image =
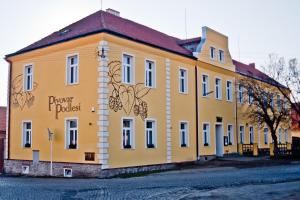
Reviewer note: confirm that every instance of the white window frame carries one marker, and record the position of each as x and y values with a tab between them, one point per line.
231	135
68	69
185	80
212	57
251	135
229	90
279	103
280	135
206	85
240	93
132	69
154	133
24	133
208	134
26	76
68	169
186	134
272	103
266	135
286	135
242	134
221	55
153	70
132	129
219	88
67	129
250	96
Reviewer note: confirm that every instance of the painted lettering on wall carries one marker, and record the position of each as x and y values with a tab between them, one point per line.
62	105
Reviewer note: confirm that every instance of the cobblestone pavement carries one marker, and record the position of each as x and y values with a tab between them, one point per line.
273	182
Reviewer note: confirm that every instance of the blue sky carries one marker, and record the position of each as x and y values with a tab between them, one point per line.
255	28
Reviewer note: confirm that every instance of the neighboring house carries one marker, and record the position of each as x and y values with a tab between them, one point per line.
2	135
119	95
295	124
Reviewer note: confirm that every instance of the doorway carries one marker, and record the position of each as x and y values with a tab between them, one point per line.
219	140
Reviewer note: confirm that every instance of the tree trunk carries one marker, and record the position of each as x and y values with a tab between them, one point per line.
276	149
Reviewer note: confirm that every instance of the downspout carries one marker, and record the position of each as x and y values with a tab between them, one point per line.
236	120
197	128
8	106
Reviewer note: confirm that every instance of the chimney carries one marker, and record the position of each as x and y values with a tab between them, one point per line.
252	65
113	12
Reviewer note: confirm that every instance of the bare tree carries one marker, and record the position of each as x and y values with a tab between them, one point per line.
262	108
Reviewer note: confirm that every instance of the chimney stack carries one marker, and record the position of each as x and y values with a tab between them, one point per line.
252	65
113	12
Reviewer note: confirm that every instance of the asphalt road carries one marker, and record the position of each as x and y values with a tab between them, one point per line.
272	182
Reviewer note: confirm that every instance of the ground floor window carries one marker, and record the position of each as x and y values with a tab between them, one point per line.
266	130
150	134
27	134
206	134
183	134
242	134
286	135
230	134
71	133
251	134
127	133
279	135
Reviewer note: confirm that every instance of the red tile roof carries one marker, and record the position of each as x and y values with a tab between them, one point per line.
295	119
251	71
102	21
2	118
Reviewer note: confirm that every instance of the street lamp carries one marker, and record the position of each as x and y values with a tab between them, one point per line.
50	137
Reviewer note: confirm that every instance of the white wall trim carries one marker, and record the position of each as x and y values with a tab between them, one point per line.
103	110
168	111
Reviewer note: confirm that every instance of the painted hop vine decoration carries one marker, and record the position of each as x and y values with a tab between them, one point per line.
126	97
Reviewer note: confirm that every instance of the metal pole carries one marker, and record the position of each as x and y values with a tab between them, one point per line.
51	142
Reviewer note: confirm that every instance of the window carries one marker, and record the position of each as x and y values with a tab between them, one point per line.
72	70
150	134
221	56
280	135
229	90
183	88
127	69
278	103
127	133
242	134
230	134
272	100
241	91
206	134
266	130
183	134
27	134
150	74
28	78
218	89
251	134
204	85
250	96
68	172
265	100
72	133
89	156
286	135
212	52
285	103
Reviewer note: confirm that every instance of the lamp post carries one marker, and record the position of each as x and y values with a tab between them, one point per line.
50	137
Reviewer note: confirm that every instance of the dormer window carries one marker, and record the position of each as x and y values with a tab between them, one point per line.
221	56
212	53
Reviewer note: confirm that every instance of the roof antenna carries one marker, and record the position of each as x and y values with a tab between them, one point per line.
101	3
185	23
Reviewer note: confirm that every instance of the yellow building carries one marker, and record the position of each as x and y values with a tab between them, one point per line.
118	96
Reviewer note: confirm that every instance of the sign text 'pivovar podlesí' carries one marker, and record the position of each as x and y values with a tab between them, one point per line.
62	104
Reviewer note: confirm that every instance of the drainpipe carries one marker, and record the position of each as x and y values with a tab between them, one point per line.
236	120
197	128
8	107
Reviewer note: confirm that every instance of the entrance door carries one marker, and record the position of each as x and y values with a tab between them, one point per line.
219	140
1	154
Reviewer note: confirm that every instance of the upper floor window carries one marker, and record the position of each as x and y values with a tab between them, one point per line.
72	70
266	130
183	82
229	90
27	134
278	103
286	135
272	100
218	89
241	92
250	96
242	134
71	133
204	85
127	133
150	74
206	134
150	134
127	69
221	56
230	134
28	78
212	52
183	134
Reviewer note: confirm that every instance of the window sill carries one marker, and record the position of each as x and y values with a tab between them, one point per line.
72	84
184	146
206	144
185	93
219	99
128	83
230	101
